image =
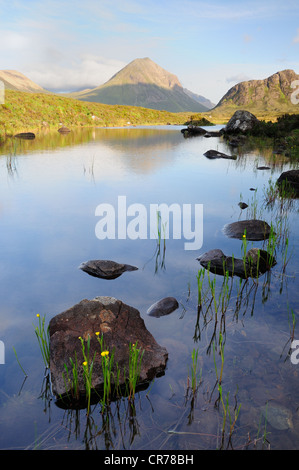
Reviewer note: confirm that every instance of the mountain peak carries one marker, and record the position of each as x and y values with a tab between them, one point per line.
14	80
144	83
144	71
269	94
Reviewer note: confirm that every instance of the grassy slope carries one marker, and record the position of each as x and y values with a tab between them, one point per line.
28	111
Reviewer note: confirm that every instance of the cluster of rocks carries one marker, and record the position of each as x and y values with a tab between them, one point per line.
192	131
31	135
121	324
118	323
256	261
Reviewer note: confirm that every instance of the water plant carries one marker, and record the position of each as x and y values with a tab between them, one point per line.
42	334
87	366
19	362
200	279
244	250
195	374
71	382
227	414
107	361
135	359
160	253
221	351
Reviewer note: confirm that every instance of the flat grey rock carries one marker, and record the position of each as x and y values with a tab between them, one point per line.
105	269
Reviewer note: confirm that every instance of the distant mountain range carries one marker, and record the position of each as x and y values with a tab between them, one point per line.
273	94
144	83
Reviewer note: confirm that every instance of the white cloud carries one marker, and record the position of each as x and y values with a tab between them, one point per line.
238	78
15	41
88	72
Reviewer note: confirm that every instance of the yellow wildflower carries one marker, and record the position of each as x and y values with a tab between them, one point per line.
85	363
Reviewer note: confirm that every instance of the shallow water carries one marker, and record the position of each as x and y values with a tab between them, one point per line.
49	191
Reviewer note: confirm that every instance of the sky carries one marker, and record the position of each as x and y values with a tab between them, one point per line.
209	45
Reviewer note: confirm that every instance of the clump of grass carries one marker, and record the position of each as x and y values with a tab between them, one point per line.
160	253
195	373
244	251
107	361
19	362
221	349
135	359
72	382
42	334
87	365
200	279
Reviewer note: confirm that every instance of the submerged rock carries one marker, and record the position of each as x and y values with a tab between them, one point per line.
254	229
193	131
255	263
213	134
278	416
163	307
288	183
105	269
242	205
64	130
212	154
120	325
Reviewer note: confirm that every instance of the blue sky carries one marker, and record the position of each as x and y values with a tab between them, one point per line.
210	45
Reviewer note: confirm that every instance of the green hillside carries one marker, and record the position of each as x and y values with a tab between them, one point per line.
32	111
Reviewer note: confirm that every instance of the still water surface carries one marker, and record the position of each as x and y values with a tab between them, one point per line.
49	190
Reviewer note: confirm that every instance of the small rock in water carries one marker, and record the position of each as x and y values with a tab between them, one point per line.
256	262
105	269
212	154
278	416
64	130
242	205
163	307
254	229
26	135
263	168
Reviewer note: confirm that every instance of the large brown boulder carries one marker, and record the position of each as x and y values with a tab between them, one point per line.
120	325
